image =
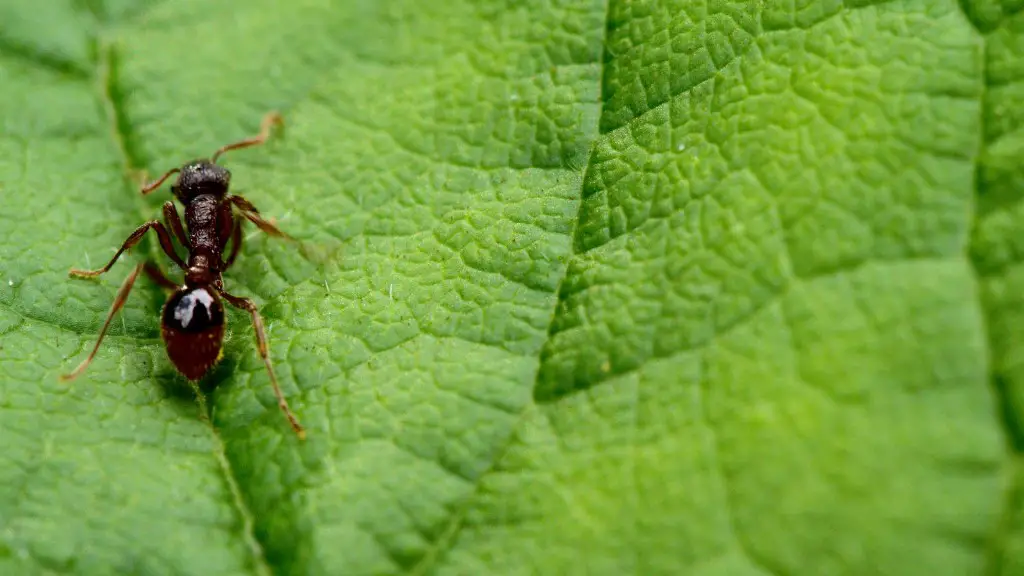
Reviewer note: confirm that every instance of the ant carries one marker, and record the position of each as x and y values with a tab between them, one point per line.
192	324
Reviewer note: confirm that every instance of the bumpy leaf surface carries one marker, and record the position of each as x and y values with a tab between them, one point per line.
595	287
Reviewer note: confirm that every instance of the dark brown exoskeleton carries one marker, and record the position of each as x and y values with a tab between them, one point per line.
192	324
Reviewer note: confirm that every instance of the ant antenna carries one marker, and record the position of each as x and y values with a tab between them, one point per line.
147	188
268	122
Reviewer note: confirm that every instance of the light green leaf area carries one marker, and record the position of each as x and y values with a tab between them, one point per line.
592	287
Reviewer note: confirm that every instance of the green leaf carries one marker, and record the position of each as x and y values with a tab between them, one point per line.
609	287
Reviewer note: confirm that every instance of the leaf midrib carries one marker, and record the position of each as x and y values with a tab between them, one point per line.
1008	421
109	96
457	521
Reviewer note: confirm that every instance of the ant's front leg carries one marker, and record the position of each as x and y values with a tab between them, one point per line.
264	350
174	223
253	215
165	243
250	213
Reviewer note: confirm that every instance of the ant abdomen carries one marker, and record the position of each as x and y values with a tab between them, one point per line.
193	329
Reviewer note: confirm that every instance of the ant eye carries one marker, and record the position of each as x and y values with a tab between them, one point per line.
194	310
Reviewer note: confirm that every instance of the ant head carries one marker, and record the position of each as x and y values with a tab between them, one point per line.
201	177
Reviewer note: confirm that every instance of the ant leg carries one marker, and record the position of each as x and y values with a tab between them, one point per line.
236	243
261	344
243	204
253	215
249	212
157	275
268	121
165	243
119	300
147	188
174	223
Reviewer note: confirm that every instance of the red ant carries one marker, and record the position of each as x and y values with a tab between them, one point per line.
192	324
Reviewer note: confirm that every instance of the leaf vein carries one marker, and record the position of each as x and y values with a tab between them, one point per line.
451	534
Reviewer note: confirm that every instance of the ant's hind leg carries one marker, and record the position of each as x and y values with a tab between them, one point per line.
119	300
261	345
165	243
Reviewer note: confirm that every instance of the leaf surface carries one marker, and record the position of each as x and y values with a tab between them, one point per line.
603	287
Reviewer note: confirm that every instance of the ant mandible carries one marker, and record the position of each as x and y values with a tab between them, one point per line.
192	324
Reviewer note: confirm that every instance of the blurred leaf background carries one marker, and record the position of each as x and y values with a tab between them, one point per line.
614	287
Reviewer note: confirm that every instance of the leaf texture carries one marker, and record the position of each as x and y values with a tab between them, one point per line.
606	287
